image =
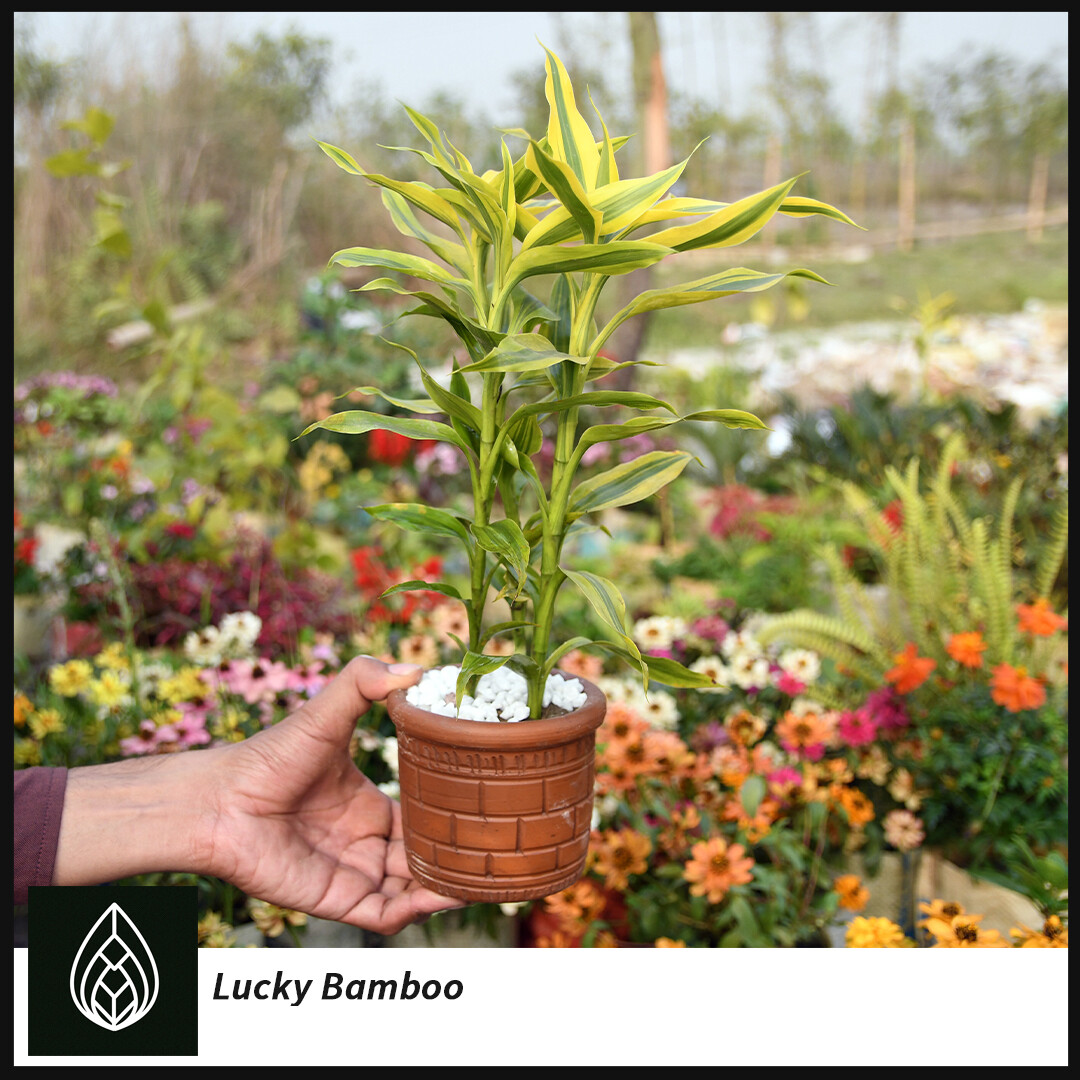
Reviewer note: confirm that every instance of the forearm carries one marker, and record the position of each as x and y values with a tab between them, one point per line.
137	816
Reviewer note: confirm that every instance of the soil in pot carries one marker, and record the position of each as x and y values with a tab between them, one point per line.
497	812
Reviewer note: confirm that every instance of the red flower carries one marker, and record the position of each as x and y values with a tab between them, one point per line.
25	549
180	529
894	516
389	448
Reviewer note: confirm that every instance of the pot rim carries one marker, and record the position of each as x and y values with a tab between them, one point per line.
517	734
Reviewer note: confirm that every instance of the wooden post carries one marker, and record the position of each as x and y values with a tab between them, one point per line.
905	224
1040	181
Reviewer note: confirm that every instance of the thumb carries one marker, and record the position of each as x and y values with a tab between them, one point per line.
334	710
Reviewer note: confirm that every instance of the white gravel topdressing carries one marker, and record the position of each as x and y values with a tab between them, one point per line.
500	695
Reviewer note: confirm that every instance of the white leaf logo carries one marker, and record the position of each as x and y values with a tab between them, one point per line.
114	979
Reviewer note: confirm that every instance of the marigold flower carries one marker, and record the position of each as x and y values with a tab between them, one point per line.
1038	619
911	670
874	933
853	894
1016	689
964	932
715	867
620	854
967	649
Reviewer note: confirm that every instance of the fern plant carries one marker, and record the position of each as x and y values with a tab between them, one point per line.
945	572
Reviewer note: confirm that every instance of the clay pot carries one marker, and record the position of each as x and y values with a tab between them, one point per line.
496	812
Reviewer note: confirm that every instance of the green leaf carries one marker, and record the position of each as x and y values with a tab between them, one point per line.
359	423
416	517
408	224
556	655
96	124
629	482
523	352
606	600
505	540
568	189
424	586
340	158
413	265
420	405
661	669
751	793
616	257
568	135
476	664
797	206
732	225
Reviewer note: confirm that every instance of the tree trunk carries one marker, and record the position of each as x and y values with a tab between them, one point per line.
650	96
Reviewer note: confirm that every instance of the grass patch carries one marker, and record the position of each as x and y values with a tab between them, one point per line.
991	274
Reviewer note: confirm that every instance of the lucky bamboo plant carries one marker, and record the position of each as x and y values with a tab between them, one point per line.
559	213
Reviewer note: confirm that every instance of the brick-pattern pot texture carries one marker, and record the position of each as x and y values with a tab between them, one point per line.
496	812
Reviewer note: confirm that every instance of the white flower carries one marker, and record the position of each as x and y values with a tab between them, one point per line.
239	631
801	664
204	647
358	320
391	789
388	750
714	668
804	706
660	710
749	671
741	642
658	631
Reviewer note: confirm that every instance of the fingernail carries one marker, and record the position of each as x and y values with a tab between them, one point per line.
404	669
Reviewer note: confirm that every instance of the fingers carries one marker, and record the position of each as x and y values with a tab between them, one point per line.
333	712
390	914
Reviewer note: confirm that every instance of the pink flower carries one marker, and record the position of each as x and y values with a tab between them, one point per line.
786	683
886	709
857	728
903	830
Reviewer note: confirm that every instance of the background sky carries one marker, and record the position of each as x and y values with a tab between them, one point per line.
719	57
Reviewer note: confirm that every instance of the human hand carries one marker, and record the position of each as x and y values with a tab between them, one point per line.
297	824
285	816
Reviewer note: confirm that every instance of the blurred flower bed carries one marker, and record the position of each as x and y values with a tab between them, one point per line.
201	571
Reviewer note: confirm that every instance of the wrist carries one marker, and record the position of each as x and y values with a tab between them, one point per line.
137	816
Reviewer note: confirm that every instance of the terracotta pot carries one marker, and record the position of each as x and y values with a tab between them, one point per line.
496	812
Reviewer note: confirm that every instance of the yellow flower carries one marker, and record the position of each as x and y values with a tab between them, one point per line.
46	722
874	933
272	920
114	657
1052	936
27	752
110	690
940	909
668	943
214	933
71	678
184	685
963	932
226	725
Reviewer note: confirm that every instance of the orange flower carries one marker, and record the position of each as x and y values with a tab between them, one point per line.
858	808
621	724
715	867
967	649
1016	689
940	909
576	906
668	943
874	933
808	734
1052	936
620	854
853	894
963	932
576	662
1038	619
911	670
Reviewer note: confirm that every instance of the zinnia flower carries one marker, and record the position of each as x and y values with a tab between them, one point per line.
806	735
963	932
903	830
1016	689
856	728
874	933
1052	936
967	649
911	670
940	909
715	867
853	894
1038	619
668	943
620	854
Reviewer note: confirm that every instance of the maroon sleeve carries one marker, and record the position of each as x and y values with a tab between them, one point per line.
39	802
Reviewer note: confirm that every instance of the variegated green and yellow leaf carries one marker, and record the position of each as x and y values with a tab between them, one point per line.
729	226
629	482
408	224
616	257
416	517
505	540
797	206
340	158
606	600
565	185
412	265
568	135
523	352
357	422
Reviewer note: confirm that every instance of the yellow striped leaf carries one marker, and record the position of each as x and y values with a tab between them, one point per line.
568	135
567	188
629	482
